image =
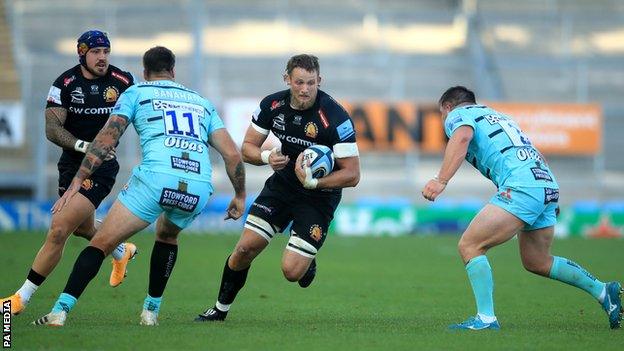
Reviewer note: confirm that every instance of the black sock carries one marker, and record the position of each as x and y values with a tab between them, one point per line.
231	282
35	277
161	265
85	269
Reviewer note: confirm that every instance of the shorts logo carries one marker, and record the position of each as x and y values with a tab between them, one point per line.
505	196
551	195
311	130
541	174
87	184
111	94
266	209
316	232
178	199
278	122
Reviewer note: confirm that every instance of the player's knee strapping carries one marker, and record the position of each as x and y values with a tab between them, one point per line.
300	246
261	227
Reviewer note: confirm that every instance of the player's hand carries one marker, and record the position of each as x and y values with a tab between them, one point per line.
236	208
277	160
304	173
111	155
432	189
67	196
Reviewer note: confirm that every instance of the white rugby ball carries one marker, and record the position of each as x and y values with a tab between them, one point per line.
321	160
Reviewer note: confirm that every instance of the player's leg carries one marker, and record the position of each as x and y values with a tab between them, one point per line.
119	225
492	226
162	262
267	216
535	247
79	210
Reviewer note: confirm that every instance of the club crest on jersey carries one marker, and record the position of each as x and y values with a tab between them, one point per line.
311	130
77	96
316	232
111	94
279	123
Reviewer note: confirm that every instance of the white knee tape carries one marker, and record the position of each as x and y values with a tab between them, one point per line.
300	246
260	227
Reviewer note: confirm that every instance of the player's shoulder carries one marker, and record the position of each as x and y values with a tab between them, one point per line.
68	77
331	109
124	77
274	101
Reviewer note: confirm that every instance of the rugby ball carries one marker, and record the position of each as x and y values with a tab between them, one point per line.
321	160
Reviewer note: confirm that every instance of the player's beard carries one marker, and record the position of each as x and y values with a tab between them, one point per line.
96	72
302	105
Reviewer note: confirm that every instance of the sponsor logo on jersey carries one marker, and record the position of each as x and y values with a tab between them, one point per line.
277	104
541	174
493	119
345	130
184	144
77	96
324	120
91	110
316	232
87	184
67	80
551	195
311	130
293	140
121	77
54	95
179	199
279	123
111	94
185	164
529	153
297	120
95	89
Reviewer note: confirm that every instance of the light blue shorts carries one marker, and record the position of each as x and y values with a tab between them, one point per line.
148	194
537	207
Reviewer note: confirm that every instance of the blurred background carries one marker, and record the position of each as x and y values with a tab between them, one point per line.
556	66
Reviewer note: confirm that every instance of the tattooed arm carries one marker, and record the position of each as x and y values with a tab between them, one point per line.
101	146
55	132
223	143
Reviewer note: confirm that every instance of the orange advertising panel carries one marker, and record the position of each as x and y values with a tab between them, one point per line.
562	129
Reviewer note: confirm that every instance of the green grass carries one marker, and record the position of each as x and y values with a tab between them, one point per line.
370	294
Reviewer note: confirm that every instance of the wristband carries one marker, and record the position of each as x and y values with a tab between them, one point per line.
81	146
264	155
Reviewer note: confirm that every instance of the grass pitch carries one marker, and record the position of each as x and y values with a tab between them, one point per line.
369	294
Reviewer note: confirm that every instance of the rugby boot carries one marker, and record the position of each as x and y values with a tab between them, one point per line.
210	315
119	271
612	304
53	319
309	275
149	317
475	323
17	306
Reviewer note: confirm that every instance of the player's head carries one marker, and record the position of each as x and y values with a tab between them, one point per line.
158	62
453	97
93	50
302	75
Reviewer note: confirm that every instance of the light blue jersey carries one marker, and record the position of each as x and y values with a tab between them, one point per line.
499	149
173	124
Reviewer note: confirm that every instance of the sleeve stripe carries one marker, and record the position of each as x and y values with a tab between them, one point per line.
260	129
343	150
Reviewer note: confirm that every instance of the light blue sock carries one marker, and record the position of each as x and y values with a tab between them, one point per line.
152	303
480	275
571	273
65	303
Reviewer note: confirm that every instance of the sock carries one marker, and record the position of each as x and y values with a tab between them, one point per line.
119	251
231	282
152	304
33	281
480	276
161	265
65	303
571	273
86	268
